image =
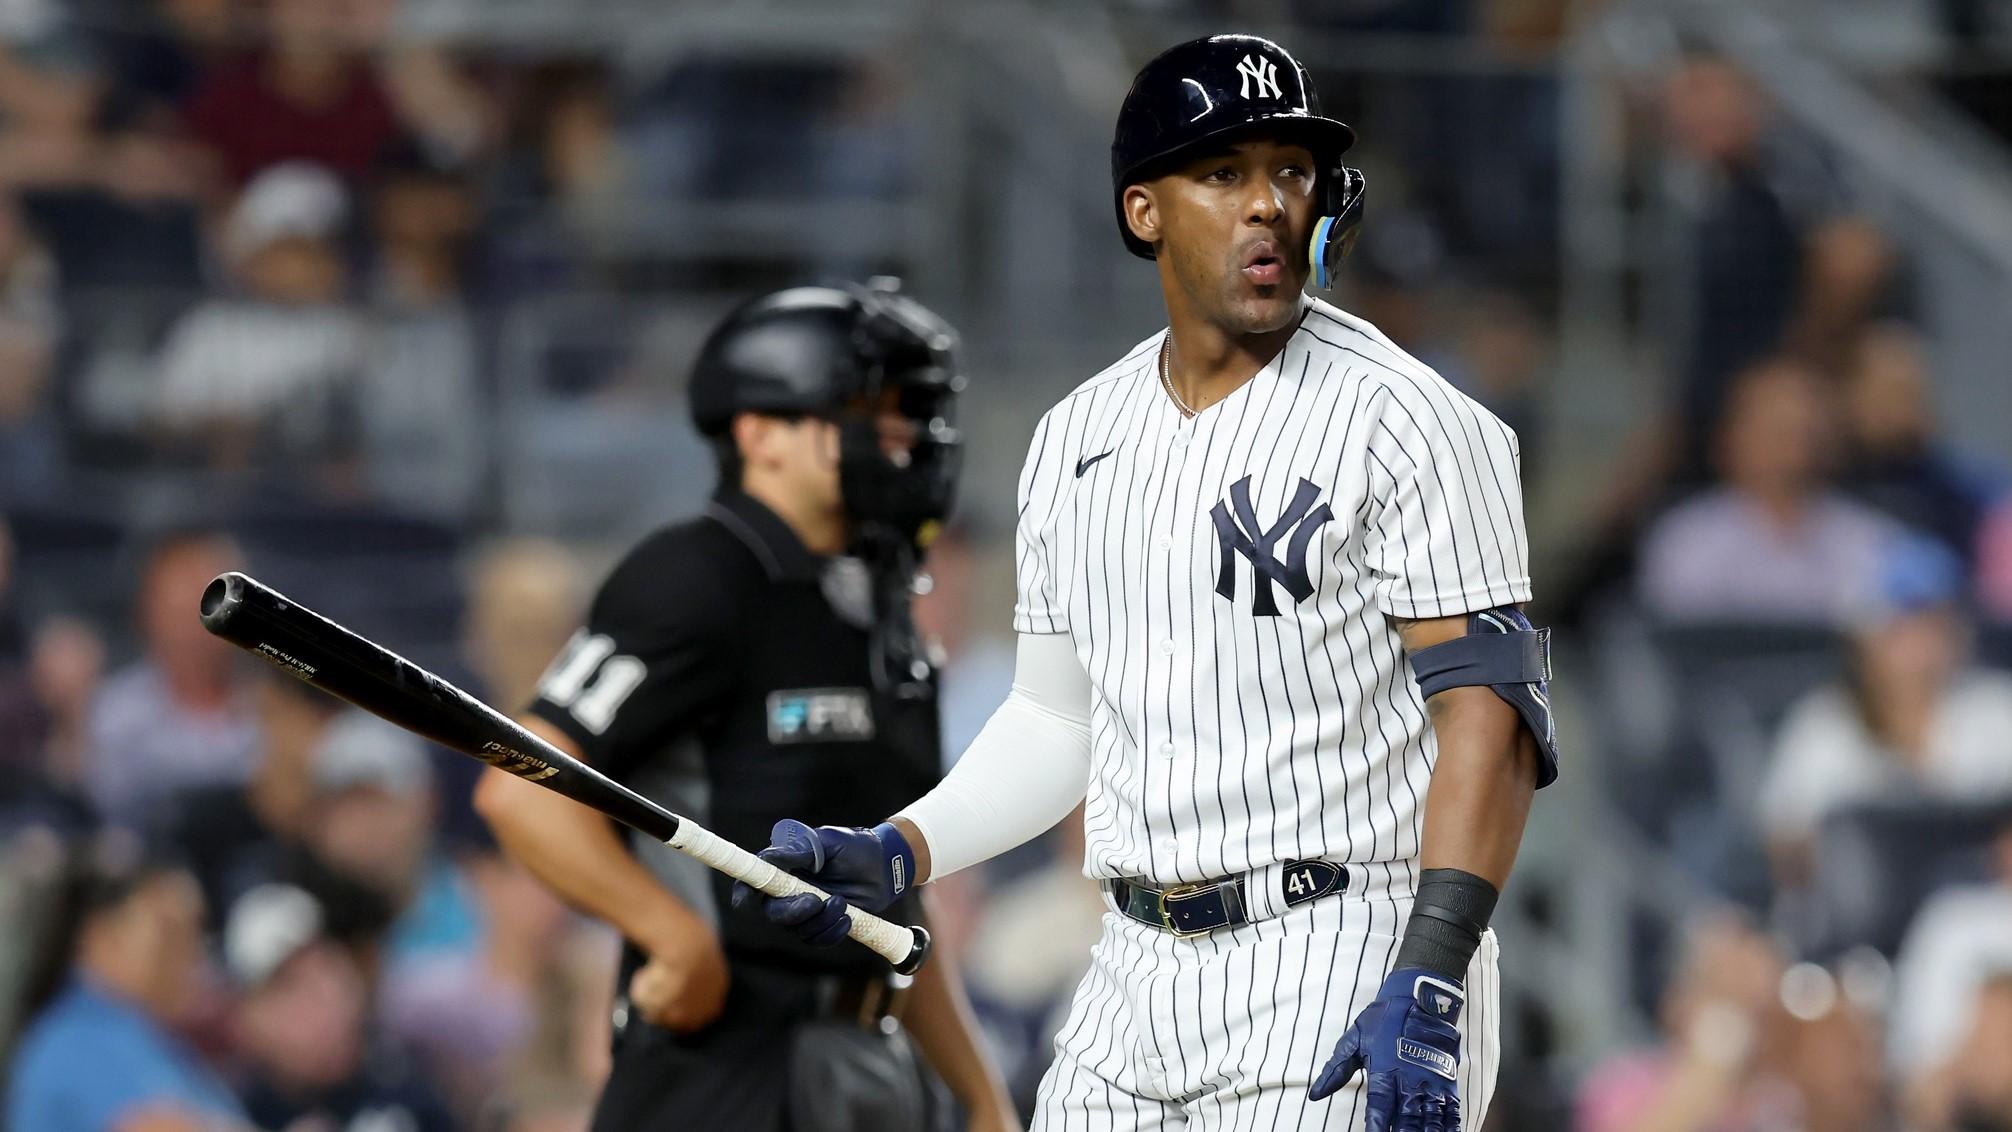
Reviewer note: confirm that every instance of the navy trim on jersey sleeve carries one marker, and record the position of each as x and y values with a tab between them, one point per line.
658	650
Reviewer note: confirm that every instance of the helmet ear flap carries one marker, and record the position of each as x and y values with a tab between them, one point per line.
1335	234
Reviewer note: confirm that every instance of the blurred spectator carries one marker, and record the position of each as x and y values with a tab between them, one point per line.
419	397
237	835
438	101
1994	561
977	667
13	636
371	818
567	153
1979	1096
267	373
20	722
503	1014
1030	947
1783	264
304	1026
126	968
181	715
525	598
1913	719
1831	1056
52	737
126	214
309	95
1774	543
734	127
48	89
157	51
1722	1037
1959	945
1894	456
473	940
1501	355
28	329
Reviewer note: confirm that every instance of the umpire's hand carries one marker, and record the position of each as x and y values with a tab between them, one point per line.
1406	1043
683	985
868	867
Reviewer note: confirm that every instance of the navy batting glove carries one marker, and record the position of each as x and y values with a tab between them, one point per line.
1406	1043
868	867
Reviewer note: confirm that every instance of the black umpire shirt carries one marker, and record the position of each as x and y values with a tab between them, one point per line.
716	676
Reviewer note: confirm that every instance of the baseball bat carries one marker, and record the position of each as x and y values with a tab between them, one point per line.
297	640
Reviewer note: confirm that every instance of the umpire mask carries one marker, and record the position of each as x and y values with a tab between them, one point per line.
902	348
838	353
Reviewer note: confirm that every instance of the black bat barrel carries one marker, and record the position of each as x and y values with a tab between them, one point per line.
303	643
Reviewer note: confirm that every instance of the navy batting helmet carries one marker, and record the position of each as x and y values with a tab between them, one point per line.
1207	88
832	352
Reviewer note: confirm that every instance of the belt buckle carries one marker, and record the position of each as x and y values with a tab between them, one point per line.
1180	892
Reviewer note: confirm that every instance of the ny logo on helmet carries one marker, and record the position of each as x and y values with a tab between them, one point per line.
1261	70
1244	535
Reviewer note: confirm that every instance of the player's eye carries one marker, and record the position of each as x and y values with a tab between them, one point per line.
1295	172
1221	176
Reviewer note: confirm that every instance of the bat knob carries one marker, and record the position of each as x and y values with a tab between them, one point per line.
221	599
917	956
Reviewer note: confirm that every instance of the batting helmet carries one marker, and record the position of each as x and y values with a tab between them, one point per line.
1207	88
832	352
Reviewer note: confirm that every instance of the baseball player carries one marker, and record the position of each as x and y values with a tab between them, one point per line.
756	661
1268	577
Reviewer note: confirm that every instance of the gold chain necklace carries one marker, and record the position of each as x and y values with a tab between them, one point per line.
1167	377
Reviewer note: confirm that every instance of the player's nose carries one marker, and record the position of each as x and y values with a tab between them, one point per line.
1266	205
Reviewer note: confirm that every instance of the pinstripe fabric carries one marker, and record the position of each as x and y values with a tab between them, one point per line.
1225	739
1225	1032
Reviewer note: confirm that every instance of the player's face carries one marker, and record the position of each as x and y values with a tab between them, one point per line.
1233	226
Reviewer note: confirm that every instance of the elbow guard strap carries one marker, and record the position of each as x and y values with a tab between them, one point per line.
1505	653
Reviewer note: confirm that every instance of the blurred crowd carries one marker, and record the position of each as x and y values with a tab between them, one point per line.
265	245
253	259
1794	600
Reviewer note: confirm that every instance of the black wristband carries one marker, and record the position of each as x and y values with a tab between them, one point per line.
1447	919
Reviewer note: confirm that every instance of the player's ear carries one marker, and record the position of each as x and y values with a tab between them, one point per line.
1142	213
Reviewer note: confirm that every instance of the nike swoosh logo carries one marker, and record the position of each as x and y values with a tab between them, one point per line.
1083	465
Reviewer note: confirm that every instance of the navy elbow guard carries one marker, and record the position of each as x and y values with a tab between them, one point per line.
1503	651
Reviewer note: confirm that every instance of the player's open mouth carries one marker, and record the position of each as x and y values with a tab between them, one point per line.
1263	265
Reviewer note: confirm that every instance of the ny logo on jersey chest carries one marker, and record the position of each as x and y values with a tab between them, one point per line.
1240	533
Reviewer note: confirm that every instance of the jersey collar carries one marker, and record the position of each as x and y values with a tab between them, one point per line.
782	554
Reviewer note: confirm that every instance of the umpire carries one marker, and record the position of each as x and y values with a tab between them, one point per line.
755	663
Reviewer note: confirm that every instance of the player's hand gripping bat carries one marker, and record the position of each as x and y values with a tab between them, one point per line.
298	640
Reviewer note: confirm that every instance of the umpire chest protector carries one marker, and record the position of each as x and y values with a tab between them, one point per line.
726	672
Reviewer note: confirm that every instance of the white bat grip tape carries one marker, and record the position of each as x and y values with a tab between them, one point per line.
892	942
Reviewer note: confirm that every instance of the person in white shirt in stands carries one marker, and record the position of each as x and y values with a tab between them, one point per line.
1911	719
272	365
1959	944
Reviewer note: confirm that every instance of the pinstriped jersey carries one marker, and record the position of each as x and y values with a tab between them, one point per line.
1231	583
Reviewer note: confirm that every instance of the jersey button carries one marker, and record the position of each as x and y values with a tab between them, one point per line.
1165	846
1164	542
1181	439
1166	648
1166	750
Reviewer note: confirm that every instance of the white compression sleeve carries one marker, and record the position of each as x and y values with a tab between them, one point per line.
1025	771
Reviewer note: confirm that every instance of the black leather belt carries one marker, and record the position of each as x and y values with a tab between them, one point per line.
1197	909
873	1002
